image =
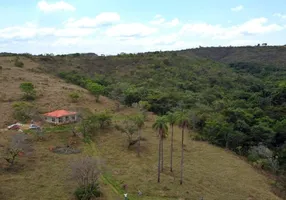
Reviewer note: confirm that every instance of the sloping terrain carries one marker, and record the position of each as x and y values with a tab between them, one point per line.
52	93
271	55
210	172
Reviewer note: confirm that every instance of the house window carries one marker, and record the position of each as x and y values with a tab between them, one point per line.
73	117
53	119
60	119
67	118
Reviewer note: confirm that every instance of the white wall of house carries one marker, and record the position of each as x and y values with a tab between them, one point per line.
65	119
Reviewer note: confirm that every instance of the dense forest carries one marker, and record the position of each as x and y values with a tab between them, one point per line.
235	97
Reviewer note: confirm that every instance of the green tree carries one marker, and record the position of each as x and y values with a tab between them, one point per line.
29	90
129	128
172	119
161	126
183	122
104	119
95	88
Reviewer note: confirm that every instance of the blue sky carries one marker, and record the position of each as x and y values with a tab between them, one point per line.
115	26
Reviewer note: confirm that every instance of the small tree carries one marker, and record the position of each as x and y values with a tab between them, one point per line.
104	119
74	97
86	171
24	111
96	89
88	127
139	122
129	128
19	145
29	90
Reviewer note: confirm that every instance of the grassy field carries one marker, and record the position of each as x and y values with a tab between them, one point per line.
209	171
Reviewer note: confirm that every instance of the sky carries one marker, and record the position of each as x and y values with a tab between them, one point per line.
115	26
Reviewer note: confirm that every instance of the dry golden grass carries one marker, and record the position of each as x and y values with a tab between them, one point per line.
209	171
52	92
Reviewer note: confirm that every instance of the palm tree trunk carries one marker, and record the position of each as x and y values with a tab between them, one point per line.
138	145
159	157
171	164
162	152
182	156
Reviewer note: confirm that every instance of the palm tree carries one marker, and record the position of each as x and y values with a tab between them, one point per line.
172	119
183	122
139	121
163	136
161	126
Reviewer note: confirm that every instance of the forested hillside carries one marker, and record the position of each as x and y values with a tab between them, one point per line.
235	97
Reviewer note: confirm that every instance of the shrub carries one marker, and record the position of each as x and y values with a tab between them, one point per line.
19	145
29	90
24	111
18	63
88	192
74	96
86	172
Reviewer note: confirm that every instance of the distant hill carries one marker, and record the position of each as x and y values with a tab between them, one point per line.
271	55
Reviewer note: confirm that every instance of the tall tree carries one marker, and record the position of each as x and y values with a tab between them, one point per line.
172	118
183	122
161	126
139	121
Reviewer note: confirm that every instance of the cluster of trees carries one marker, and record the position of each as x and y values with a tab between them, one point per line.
94	123
96	87
236	106
179	118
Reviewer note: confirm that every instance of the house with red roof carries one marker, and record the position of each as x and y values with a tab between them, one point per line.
61	117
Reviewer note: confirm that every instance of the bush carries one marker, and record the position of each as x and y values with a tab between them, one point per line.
86	172
24	111
253	157
18	63
74	96
87	193
29	90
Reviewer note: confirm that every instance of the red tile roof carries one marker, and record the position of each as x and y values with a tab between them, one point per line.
59	113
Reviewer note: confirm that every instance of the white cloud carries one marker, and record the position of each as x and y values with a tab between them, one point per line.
173	23
130	30
73	32
26	31
282	16
251	27
160	20
87	35
30	30
237	8
101	19
57	6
